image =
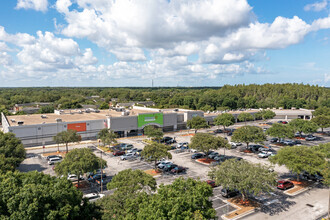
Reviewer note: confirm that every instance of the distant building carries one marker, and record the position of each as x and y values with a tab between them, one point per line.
30	108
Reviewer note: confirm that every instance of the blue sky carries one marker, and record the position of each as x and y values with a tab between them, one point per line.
178	42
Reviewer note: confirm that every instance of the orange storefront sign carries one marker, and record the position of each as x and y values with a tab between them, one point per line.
77	127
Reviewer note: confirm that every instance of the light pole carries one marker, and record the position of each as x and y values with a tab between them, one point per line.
101	172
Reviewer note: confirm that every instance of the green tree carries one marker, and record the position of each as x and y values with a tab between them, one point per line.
322	121
225	120
79	162
245	117
153	133
12	152
299	159
268	114
322	111
131	187
38	196
104	105
66	137
155	151
246	177
300	125
280	131
205	142
323	149
107	136
249	134
182	199
46	109
197	123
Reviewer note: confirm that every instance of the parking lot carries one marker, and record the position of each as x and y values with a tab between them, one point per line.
195	170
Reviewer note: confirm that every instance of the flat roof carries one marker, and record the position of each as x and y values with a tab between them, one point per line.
74	116
230	112
33	119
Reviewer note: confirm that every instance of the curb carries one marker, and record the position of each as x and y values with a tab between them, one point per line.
237	208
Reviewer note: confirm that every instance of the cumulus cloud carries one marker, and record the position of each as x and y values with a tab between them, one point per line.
317	6
43	55
38	5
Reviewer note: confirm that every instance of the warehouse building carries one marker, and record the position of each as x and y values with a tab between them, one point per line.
39	129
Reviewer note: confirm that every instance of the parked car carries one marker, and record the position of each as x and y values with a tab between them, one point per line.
54	160
235	144
118	153
168	140
287	142
227	193
127	156
284	122
193	150
280	122
218	131
54	156
211	183
178	169
73	177
197	155
182	144
163	164
310	138
213	155
317	177
274	140
269	123
97	177
169	167
254	147
127	147
93	196
284	184
297	142
133	150
265	154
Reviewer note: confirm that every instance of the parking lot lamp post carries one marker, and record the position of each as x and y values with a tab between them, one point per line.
101	174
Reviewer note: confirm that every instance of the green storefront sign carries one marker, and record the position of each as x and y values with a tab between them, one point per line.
155	118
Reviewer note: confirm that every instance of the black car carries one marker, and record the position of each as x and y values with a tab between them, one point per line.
227	193
317	177
274	140
218	131
169	167
197	156
254	148
213	155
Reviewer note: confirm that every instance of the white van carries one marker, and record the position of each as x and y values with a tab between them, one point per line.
54	160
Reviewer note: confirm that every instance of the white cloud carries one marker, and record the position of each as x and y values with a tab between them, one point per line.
317	6
38	5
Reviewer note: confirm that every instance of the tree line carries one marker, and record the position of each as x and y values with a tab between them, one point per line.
207	99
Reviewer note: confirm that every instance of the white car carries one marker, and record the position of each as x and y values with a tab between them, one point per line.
163	164
54	160
235	143
127	156
193	150
93	196
265	154
73	177
182	144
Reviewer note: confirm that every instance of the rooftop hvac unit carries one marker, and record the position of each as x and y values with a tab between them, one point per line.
12	120
43	116
79	112
58	119
20	122
97	111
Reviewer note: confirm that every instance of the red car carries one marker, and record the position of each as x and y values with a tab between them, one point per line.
284	184
118	153
284	122
211	183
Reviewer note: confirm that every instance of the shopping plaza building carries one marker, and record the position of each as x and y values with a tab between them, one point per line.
39	129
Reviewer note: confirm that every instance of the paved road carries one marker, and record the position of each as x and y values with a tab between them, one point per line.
317	200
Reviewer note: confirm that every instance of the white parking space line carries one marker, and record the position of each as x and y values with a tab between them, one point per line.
221	206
